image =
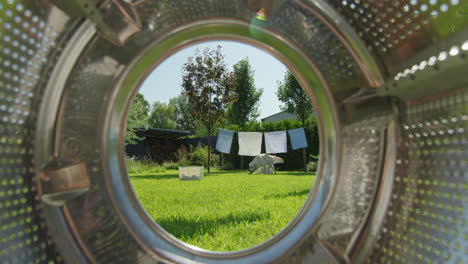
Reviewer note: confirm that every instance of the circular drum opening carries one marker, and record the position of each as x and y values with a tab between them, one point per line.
386	80
107	215
141	224
250	193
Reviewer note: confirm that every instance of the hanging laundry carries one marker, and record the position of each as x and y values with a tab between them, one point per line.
224	142
250	143
275	142
298	138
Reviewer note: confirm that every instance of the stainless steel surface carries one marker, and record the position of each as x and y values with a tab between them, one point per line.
432	63
426	221
31	34
116	20
387	79
363	142
368	234
59	183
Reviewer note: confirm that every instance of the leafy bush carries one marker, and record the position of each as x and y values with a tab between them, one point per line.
312	165
145	165
197	156
215	158
200	156
171	165
228	166
183	156
314	157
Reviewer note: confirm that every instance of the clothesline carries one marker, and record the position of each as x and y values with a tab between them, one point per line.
250	143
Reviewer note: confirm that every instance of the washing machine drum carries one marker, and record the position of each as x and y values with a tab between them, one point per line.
388	81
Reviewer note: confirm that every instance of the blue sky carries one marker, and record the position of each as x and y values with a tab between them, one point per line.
165	81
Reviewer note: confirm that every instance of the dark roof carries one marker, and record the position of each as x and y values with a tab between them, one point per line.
164	133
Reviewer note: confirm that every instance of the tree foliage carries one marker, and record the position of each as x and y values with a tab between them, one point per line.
210	87
245	109
162	116
293	96
183	114
137	118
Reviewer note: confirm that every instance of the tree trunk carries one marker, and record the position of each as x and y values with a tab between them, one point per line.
209	148
210	123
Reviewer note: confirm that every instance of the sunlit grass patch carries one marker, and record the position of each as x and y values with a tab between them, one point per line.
143	166
227	210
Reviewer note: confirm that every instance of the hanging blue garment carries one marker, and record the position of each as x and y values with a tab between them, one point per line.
224	142
298	138
276	142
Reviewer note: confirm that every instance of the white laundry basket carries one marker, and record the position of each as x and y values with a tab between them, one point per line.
190	173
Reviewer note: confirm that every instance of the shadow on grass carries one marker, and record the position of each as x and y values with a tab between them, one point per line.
297	173
286	173
189	228
154	176
227	172
286	195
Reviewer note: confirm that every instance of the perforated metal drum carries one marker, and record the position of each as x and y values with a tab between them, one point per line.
388	80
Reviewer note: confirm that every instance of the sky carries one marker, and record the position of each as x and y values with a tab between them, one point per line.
165	80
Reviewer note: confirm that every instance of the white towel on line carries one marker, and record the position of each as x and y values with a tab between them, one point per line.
275	142
250	143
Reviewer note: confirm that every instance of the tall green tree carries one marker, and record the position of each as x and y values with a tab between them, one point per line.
183	114
210	87
162	116
137	118
245	109
295	100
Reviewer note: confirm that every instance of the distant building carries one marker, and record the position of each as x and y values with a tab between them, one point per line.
280	116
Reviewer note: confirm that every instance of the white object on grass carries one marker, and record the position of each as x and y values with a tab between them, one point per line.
190	173
264	164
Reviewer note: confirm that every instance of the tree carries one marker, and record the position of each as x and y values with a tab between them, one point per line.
295	99
162	116
183	114
293	96
245	109
137	118
210	87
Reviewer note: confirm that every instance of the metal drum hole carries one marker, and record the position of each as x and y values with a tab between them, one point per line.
201	219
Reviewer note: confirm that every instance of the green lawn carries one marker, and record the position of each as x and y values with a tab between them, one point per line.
227	210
